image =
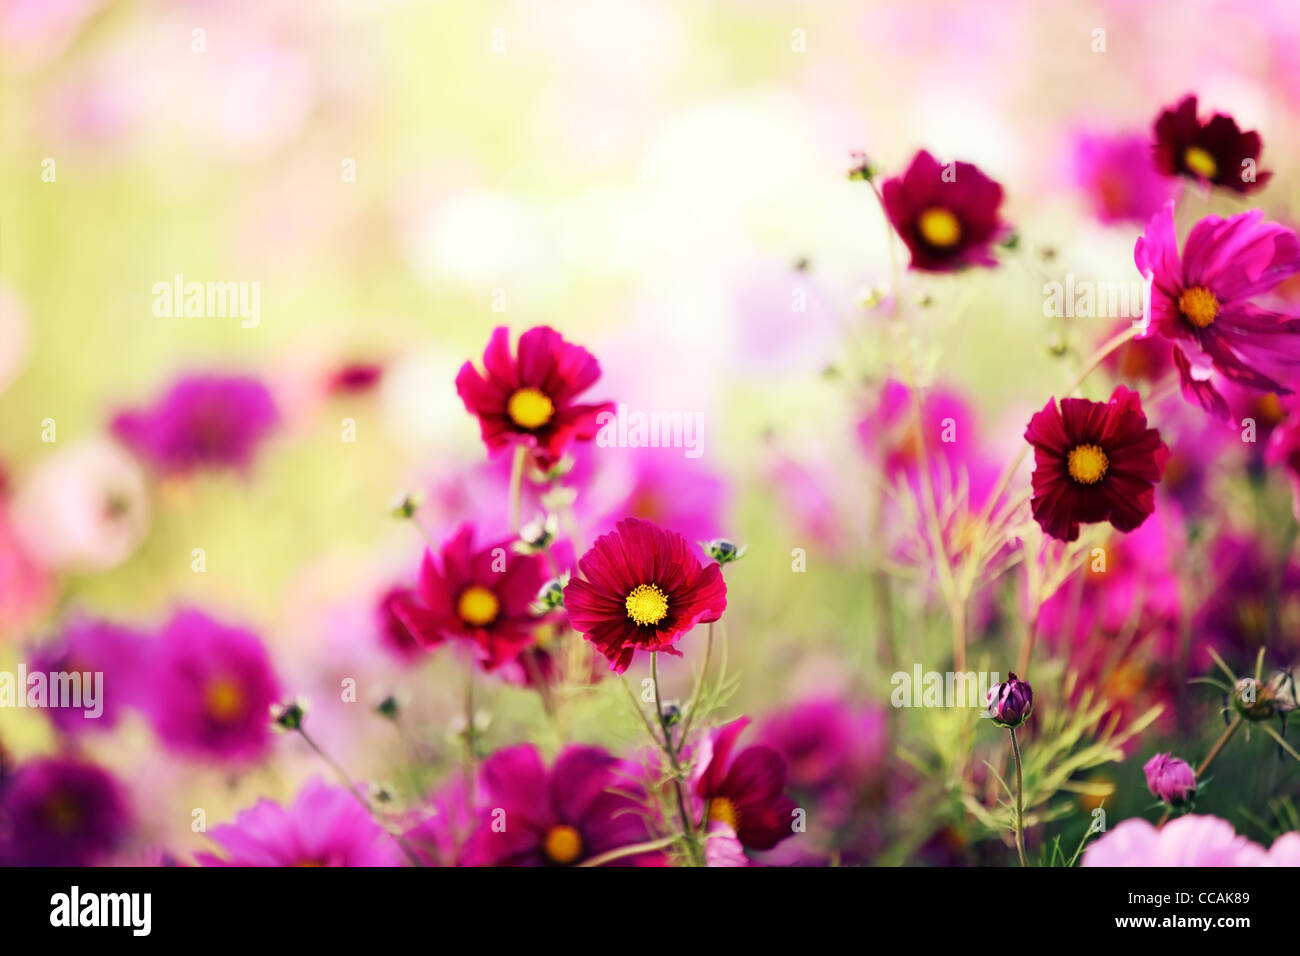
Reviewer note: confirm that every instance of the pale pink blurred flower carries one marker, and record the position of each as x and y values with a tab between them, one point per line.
32	31
724	847
1118	178
26	587
1285	851
1192	840
84	508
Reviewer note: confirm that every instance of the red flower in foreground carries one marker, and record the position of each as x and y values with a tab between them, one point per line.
747	793
1216	152
528	399
484	596
1094	461
641	589
946	215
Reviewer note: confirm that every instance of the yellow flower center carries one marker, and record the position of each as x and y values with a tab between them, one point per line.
478	606
563	844
1200	162
724	811
646	604
939	227
530	408
1088	464
1199	306
224	700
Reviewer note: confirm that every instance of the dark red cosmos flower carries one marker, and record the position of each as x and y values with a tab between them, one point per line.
483	596
1214	152
528	399
747	793
588	804
948	222
641	588
1094	461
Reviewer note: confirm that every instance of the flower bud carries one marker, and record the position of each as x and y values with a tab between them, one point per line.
289	716
1170	779
538	535
551	596
1011	702
722	550
388	707
405	506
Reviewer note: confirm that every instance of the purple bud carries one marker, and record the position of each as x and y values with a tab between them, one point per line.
1011	702
1170	779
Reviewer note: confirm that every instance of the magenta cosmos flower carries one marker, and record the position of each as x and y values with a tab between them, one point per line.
88	646
325	826
746	793
203	421
1216	152
642	588
1170	779
946	215
1115	174
212	688
484	596
1284	450
1190	840
57	812
529	398
1201	302
586	806
1094	461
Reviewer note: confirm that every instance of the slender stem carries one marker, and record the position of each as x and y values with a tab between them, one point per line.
699	687
1020	798
470	768
670	751
517	486
1030	638
625	851
351	788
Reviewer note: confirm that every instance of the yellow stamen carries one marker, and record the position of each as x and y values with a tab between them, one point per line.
1200	162
724	811
939	227
646	604
1199	306
1088	464
478	606
530	408
563	844
224	700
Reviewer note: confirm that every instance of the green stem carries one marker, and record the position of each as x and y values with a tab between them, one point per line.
517	486
670	751
1020	798
699	687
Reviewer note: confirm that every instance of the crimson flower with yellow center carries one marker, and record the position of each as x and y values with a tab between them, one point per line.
747	793
1216	152
1094	461
481	595
529	398
642	588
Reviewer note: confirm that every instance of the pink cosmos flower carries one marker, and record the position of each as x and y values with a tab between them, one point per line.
947	216
588	804
203	421
746	793
61	812
211	687
1284	450
88	646
484	596
529	398
1202	303
325	826
1117	177
1190	840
